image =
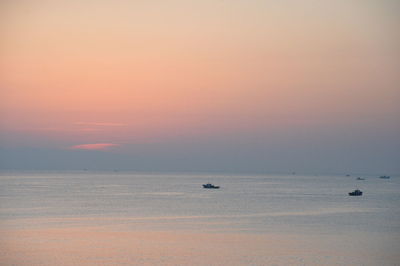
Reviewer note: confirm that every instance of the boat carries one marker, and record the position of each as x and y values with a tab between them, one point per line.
356	192
360	178
384	177
209	185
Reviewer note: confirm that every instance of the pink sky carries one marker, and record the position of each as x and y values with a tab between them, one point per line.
78	73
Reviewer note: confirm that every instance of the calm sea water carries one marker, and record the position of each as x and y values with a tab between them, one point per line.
249	204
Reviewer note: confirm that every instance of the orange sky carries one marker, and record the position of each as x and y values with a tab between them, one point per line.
87	72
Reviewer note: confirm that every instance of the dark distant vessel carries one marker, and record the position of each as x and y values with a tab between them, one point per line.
384	177
356	192
360	178
209	185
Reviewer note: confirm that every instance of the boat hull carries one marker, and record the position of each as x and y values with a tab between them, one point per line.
211	186
355	194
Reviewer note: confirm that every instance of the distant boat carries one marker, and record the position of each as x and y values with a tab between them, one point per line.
384	177
347	175
360	178
209	185
356	192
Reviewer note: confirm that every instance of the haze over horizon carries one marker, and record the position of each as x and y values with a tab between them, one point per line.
225	86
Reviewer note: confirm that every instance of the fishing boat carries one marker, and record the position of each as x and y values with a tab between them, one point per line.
356	192
209	185
384	177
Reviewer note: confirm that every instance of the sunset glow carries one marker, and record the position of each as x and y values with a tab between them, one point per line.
238	75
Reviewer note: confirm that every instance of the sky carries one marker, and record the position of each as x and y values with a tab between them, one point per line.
213	86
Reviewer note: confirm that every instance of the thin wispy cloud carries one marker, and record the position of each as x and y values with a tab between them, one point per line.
63	129
101	124
94	146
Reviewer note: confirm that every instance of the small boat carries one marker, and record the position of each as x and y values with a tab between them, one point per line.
384	177
356	192
209	185
360	178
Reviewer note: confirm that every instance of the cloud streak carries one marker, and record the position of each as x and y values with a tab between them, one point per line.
94	146
100	124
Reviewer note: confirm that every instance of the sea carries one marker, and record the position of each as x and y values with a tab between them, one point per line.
130	218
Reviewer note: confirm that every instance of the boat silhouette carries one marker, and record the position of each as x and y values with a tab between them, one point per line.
356	192
209	185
